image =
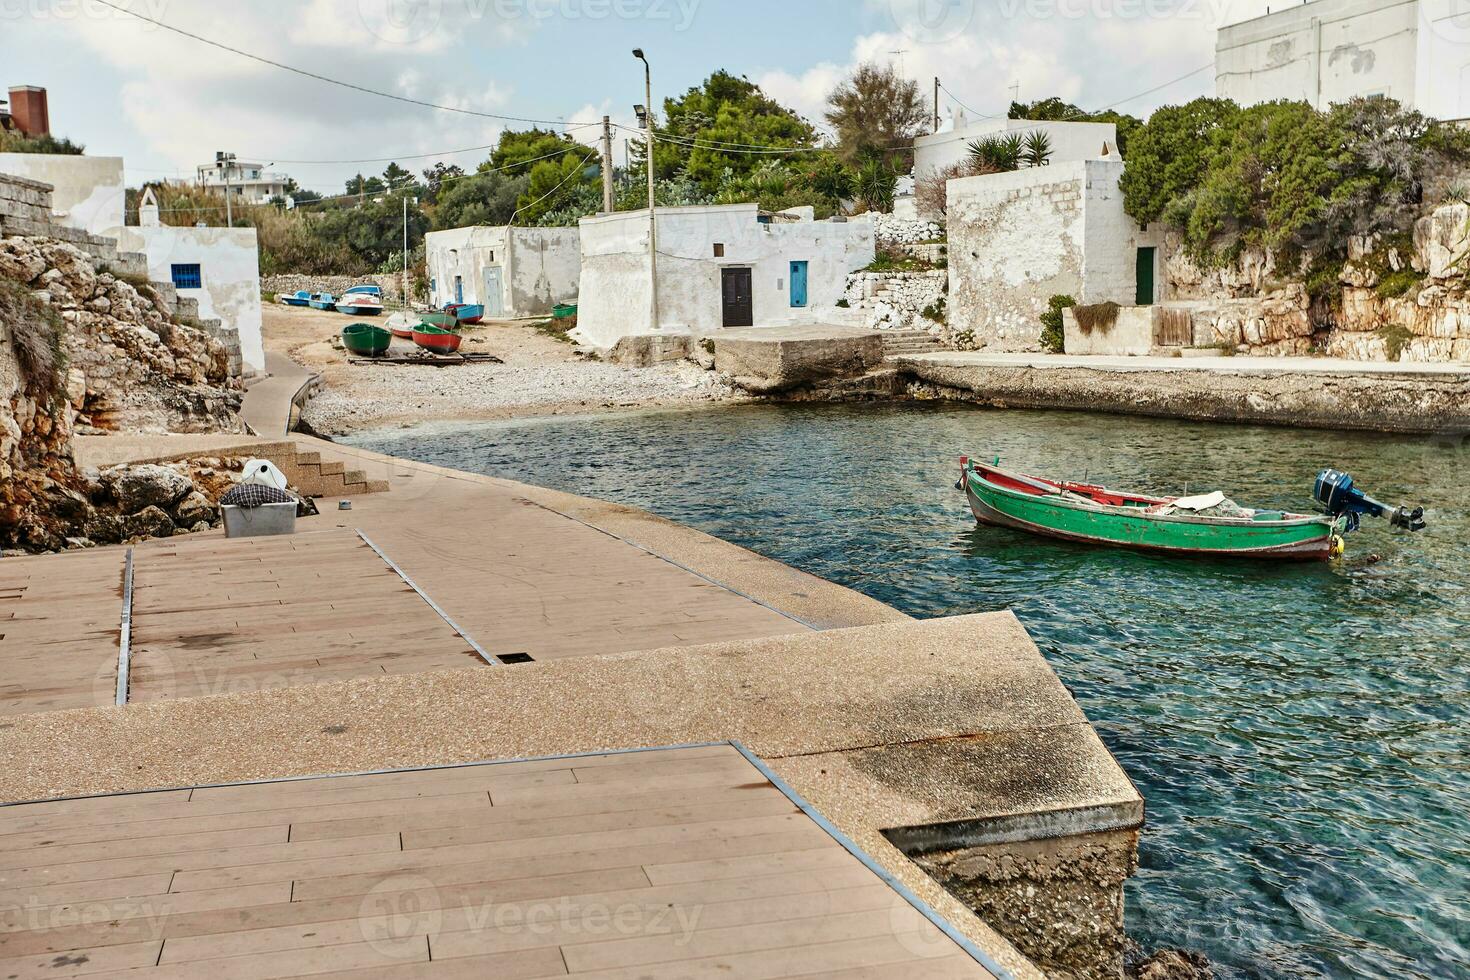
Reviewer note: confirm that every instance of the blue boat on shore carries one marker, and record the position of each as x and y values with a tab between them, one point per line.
323	301
299	298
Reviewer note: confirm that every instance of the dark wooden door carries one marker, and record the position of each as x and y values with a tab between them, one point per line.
736	300
1145	279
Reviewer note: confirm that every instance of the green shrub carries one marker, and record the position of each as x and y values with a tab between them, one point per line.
1052	336
936	311
1399	283
1395	338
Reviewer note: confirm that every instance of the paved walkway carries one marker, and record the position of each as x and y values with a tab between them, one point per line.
674	863
267	405
1236	365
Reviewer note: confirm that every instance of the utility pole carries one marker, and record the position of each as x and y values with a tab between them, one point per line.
405	249
936	103
224	161
607	165
652	219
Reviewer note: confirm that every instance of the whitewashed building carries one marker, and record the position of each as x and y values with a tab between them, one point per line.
1017	239
89	192
1329	51
718	266
250	183
514	272
1069	141
218	267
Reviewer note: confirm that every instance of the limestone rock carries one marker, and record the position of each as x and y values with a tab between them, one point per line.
148	485
150	522
1442	242
193	510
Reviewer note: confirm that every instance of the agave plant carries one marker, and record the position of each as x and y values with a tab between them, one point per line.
1036	148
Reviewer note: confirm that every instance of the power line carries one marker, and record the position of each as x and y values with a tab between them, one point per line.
572	173
333	81
1158	87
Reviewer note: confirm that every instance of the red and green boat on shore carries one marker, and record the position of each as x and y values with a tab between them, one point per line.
1208	524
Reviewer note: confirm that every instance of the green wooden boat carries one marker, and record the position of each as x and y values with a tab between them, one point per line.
444	321
366	340
1205	525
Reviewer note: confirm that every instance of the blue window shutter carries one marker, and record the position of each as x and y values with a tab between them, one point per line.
187	276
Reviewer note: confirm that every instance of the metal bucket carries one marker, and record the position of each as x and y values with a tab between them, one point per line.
249	522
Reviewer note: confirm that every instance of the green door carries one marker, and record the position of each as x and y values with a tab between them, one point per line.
1145	293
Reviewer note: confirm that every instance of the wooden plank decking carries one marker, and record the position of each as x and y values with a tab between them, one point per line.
60	617
220	617
681	862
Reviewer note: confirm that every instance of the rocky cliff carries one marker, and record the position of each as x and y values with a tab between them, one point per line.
85	351
1391	300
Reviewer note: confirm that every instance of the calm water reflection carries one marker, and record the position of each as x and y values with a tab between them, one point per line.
1298	731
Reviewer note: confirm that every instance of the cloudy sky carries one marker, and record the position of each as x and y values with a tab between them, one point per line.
167	102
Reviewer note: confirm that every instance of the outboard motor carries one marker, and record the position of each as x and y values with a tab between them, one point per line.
1335	491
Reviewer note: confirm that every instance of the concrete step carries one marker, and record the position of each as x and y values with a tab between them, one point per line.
306	472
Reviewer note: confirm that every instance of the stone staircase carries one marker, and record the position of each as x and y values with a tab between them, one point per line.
308	473
901	343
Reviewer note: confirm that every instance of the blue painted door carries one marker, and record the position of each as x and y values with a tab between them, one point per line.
459	289
494	292
798	284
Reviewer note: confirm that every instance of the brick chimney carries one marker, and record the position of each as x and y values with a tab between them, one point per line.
28	110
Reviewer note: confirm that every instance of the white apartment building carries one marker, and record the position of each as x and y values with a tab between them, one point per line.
250	183
1329	51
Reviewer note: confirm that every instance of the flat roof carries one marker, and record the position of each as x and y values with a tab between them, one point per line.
671	862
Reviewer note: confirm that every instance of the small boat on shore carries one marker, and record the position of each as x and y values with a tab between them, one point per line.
299	298
401	325
466	313
366	339
323	301
359	304
437	340
444	321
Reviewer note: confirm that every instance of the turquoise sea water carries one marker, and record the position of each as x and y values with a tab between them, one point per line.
1299	731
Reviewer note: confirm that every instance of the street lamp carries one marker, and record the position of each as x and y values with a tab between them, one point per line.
646	117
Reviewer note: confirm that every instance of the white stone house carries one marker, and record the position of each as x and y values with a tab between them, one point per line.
719	266
247	182
1329	51
89	192
1069	141
514	272
218	267
1017	239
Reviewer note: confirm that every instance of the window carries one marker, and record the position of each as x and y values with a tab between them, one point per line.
719	250
187	276
492	255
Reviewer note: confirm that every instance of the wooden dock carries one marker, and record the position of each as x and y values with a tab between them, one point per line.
681	862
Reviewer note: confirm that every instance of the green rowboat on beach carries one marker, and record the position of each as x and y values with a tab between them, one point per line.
1207	525
366	339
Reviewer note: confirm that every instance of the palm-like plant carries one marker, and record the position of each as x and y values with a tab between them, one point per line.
876	184
997	153
1036	149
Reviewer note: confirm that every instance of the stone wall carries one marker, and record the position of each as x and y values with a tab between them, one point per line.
895	300
892	230
1255	307
284	285
1059	899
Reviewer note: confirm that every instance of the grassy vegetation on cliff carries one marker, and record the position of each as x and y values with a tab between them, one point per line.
1285	177
36	335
